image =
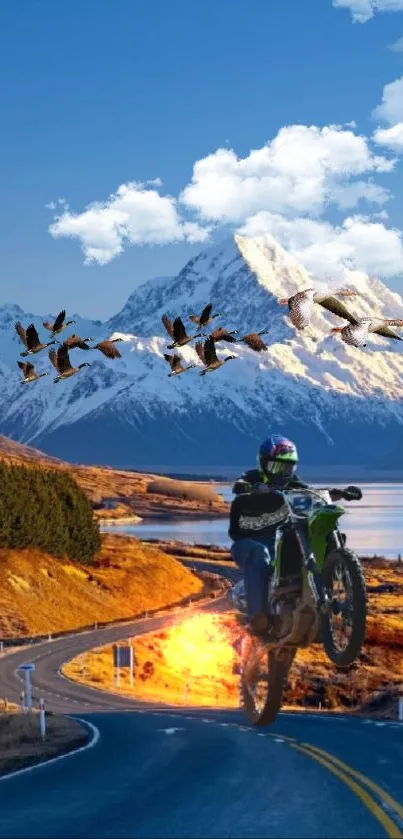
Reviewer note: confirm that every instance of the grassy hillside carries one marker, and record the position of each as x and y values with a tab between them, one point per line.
40	593
135	493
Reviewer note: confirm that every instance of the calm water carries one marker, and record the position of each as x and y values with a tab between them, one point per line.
373	525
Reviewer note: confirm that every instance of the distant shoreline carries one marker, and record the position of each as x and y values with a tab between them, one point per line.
227	474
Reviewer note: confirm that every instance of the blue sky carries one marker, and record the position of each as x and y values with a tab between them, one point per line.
95	95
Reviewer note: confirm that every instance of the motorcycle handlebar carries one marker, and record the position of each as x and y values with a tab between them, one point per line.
350	493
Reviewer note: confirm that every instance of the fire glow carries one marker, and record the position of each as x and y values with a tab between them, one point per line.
200	647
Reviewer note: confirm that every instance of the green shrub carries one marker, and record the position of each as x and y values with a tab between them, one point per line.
46	509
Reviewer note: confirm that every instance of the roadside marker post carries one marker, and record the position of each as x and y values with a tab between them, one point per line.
1	647
42	718
400	709
27	670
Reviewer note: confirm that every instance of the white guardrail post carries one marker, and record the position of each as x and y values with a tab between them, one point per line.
400	708
27	669
42	718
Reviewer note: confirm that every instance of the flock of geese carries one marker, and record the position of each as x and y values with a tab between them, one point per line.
300	308
60	359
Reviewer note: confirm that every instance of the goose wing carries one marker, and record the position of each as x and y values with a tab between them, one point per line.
74	341
221	334
63	361
205	314
169	359
54	360
254	341
21	332
200	351
59	320
387	332
332	304
108	349
176	363
179	330
48	325
32	337
194	318
168	325
209	352
26	368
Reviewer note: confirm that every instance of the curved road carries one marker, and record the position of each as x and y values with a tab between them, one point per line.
163	772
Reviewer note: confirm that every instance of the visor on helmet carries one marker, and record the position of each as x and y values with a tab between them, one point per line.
282	468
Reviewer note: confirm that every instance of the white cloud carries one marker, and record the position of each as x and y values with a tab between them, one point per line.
327	250
130	216
391	138
283	187
397	46
364	10
155	182
301	170
391	108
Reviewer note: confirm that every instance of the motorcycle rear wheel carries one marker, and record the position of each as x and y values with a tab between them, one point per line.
261	690
343	566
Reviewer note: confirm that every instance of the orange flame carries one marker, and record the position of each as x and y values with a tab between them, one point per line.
199	646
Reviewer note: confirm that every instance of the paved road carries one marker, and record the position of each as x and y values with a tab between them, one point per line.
162	772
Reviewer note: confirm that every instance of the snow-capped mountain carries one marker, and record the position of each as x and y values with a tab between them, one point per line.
340	404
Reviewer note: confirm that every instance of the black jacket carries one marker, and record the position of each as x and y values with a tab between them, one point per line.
256	514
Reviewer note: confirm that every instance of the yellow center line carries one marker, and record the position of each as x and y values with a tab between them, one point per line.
391	829
398	808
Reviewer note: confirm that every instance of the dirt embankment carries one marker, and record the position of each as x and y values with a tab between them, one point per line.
21	744
129	494
40	593
196	661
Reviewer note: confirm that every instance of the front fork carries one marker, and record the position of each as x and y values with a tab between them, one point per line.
315	581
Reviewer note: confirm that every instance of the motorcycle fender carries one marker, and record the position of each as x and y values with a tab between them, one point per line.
320	524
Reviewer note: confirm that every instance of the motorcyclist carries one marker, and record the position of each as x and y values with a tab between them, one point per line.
256	511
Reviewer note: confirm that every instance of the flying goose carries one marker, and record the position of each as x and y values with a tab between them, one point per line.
222	334
300	305
178	332
176	365
254	341
107	348
356	332
208	356
30	339
206	317
58	325
74	341
62	365
28	370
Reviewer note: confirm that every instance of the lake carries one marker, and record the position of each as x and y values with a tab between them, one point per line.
373	525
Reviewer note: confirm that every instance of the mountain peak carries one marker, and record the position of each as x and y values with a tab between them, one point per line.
319	391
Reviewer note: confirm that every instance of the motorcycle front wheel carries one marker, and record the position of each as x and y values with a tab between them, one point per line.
343	625
263	679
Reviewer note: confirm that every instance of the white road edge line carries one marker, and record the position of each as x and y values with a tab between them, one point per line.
93	742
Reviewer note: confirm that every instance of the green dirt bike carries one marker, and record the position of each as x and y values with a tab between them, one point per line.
317	594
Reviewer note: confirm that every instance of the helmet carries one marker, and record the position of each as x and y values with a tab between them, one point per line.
277	459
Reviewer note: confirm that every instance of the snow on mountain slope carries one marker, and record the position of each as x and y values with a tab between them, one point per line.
330	397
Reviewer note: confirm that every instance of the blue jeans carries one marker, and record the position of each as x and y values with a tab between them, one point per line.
255	559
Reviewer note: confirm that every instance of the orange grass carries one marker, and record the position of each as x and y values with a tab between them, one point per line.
40	594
